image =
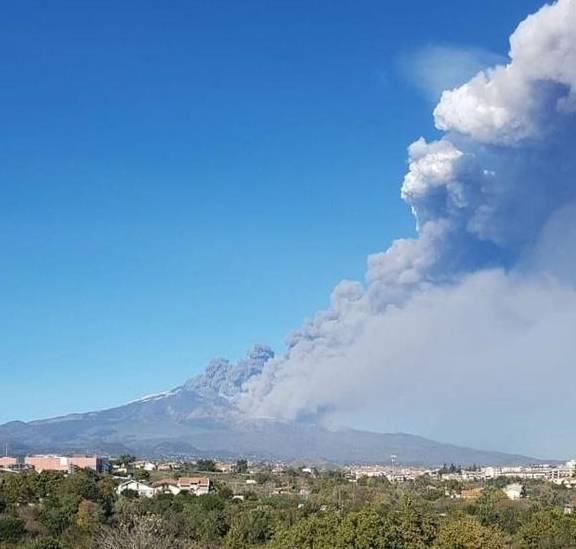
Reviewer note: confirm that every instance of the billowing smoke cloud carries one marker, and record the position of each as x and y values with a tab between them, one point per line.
465	332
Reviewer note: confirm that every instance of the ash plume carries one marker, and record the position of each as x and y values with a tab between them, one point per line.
465	332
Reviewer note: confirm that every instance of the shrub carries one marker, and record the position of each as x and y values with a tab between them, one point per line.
12	529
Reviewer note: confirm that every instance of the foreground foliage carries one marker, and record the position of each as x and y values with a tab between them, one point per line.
290	510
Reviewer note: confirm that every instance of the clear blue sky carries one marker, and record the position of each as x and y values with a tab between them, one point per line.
182	179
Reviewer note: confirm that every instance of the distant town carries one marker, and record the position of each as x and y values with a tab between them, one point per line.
147	477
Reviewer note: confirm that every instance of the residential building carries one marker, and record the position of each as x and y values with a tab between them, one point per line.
143	490
166	486
513	491
194	485
145	465
568	482
472	475
224	466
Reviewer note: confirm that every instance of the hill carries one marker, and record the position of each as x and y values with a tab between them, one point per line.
200	418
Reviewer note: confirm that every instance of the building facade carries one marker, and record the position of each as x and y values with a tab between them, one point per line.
66	463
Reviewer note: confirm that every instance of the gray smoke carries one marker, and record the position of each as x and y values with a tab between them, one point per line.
464	332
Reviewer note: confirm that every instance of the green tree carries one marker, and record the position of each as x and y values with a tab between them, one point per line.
493	508
466	532
141	474
19	489
254	527
213	527
206	465
12	529
130	494
46	543
241	466
548	530
414	526
126	460
313	532
365	529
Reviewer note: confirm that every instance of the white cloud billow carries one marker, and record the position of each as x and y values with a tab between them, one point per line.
473	320
508	104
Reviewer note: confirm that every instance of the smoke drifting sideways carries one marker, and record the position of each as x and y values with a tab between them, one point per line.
467	332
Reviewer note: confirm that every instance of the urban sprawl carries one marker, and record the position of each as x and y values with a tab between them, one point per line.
147	478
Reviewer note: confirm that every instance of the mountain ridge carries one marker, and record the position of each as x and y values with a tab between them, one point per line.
199	418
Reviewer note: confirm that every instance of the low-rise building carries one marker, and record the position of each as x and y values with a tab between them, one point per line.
194	485
143	490
553	473
513	491
474	475
66	463
224	466
8	462
568	482
145	465
166	486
